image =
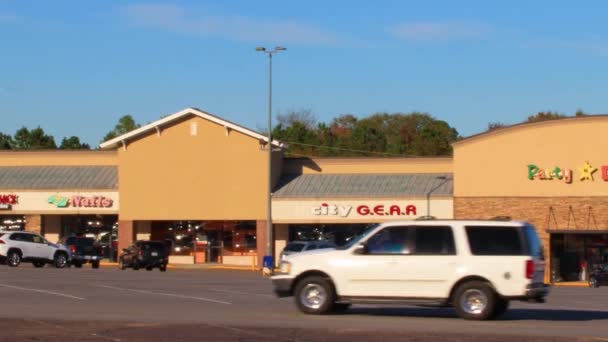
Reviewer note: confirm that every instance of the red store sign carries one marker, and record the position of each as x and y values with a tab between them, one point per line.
7	201
326	209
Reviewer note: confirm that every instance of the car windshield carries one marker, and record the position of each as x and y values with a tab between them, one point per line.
353	240
294	247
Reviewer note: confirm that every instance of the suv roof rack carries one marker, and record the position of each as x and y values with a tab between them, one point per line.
501	218
425	218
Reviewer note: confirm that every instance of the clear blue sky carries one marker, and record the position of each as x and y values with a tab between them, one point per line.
75	67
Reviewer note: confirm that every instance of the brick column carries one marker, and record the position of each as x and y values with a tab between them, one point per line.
126	234
261	241
52	227
33	223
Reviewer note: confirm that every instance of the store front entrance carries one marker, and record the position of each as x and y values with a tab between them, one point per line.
575	255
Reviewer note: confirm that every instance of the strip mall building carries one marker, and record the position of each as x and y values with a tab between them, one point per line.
199	182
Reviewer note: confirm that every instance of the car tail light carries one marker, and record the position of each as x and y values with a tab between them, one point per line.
529	269
140	253
73	249
2	242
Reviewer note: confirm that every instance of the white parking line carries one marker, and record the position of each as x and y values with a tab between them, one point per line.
164	294
242	293
43	291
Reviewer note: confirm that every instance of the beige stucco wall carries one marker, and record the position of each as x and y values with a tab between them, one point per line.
367	165
215	174
58	157
496	164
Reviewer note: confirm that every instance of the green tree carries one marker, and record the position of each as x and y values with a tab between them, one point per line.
73	143
368	135
125	125
435	139
296	129
34	139
495	125
305	117
544	116
6	142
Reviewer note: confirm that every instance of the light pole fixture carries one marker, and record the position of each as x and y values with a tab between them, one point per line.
428	194
269	235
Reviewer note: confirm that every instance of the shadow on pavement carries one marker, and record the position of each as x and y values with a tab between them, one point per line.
510	315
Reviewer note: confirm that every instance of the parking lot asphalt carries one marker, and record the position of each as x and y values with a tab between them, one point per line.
110	304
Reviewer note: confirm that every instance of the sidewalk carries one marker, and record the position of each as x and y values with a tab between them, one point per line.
571	284
195	266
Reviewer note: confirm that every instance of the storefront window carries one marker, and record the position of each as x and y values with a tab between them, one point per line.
573	256
102	228
340	234
12	222
212	239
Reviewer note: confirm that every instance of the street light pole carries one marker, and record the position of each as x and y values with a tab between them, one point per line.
269	235
428	194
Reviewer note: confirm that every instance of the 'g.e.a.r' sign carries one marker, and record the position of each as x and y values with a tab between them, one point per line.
585	173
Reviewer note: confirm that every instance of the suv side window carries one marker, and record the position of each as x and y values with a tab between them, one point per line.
16	237
391	240
37	239
311	247
495	240
22	237
431	240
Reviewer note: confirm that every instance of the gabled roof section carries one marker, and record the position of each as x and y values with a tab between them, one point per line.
364	185
58	177
166	121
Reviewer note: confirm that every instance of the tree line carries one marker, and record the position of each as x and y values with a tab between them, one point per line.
380	134
36	139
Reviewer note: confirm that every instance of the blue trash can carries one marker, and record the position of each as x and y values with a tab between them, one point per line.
268	262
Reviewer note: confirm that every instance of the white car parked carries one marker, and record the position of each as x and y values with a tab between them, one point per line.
475	266
18	246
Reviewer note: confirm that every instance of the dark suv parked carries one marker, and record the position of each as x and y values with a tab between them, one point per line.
145	254
84	250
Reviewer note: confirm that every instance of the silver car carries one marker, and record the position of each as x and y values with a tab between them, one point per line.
302	246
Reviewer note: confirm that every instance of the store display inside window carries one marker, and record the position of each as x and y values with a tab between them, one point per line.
12	223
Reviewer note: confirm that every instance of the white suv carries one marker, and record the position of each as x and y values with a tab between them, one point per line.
16	247
475	266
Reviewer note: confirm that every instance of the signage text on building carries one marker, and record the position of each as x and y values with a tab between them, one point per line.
8	199
585	173
80	201
326	209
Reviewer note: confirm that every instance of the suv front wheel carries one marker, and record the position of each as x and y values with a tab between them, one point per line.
314	295
474	300
60	260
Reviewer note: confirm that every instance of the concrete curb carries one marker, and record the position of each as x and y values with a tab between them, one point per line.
572	284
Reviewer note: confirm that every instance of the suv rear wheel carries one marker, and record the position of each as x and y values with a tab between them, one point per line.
593	282
474	300
13	259
314	295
